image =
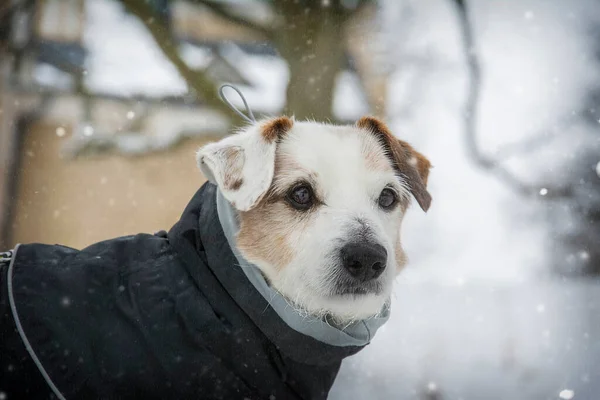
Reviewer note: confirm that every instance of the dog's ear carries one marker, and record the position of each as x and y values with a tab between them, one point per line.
242	165
409	163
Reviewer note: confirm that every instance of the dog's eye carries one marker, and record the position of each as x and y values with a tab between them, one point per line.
301	197
387	199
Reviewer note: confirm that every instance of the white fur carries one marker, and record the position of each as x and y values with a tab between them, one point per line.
257	174
349	191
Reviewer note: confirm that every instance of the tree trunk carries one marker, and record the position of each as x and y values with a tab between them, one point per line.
311	40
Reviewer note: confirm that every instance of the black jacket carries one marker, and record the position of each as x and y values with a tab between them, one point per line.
154	316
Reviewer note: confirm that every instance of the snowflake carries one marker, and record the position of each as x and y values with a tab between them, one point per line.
540	308
65	301
130	114
88	130
543	191
432	387
60	131
2	396
566	394
584	255
598	167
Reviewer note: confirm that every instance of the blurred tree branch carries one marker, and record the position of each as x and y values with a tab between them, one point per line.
470	118
196	80
309	35
223	11
292	7
535	141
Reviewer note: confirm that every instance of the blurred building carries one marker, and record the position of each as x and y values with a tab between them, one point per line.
69	173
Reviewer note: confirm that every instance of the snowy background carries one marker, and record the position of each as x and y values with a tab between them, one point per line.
500	299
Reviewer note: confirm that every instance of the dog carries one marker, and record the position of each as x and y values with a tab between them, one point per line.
321	218
280	267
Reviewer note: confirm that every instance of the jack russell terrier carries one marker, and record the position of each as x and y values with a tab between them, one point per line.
280	267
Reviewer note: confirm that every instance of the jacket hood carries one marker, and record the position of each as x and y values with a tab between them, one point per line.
358	333
199	236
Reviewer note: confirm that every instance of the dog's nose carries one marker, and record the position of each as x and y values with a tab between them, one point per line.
364	261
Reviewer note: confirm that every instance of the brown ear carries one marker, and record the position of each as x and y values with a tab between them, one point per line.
419	161
409	163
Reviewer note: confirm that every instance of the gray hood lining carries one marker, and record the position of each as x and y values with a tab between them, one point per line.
358	333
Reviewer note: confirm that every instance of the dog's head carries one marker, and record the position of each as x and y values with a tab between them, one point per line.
320	208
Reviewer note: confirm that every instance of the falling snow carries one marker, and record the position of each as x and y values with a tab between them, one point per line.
432	387
60	131
584	255
88	130
508	259
566	394
65	301
540	308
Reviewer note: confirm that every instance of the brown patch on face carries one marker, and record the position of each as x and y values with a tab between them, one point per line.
405	159
236	184
401	258
287	171
264	233
274	129
234	159
375	160
266	230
